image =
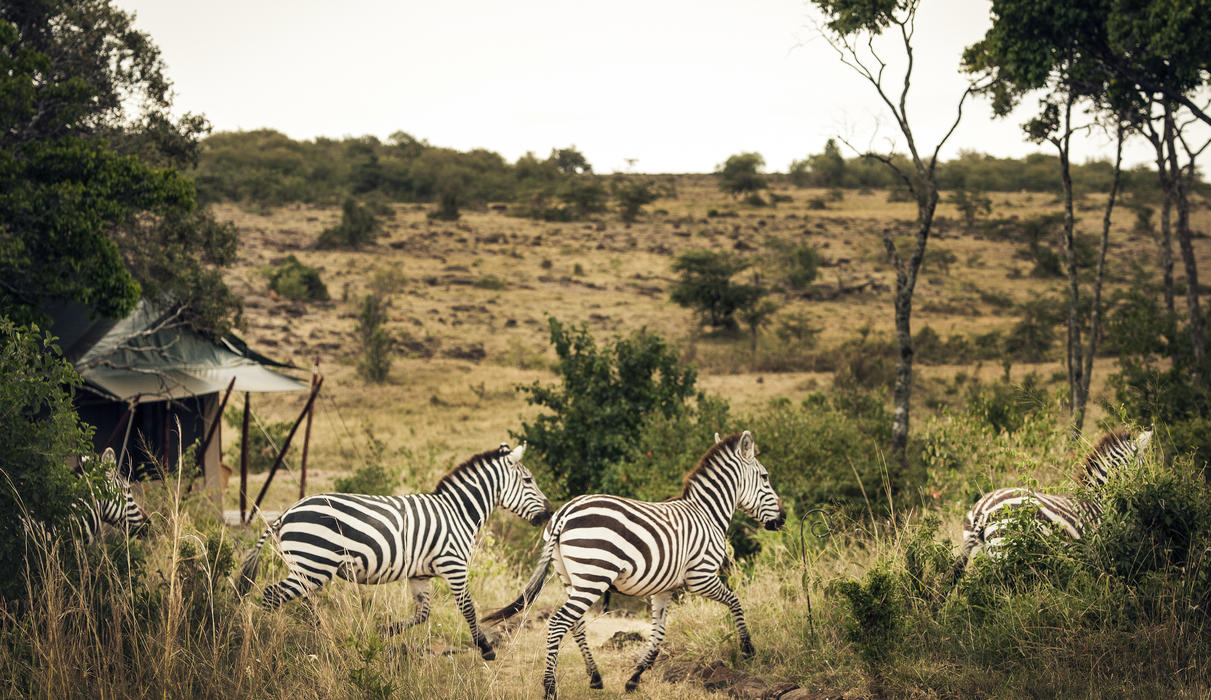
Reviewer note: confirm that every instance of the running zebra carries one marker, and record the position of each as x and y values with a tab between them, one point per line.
600	542
1072	515
379	539
117	508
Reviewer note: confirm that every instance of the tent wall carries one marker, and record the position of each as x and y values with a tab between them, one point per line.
154	440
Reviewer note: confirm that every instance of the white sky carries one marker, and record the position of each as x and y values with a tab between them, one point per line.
678	85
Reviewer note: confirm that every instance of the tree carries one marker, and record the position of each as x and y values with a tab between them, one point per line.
1006	58
741	174
851	25
825	169
359	226
606	396
377	342
632	194
94	205
706	285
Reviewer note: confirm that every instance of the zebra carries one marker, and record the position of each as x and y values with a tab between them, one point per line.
117	508
1072	515
599	542
379	539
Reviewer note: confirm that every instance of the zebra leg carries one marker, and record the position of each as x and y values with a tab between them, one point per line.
298	583
590	665
458	586
421	591
568	617
660	605
712	587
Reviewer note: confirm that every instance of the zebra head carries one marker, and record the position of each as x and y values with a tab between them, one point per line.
756	496
518	492
120	509
1112	452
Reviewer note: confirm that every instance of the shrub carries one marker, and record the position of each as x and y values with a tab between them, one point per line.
876	613
359	226
376	341
374	476
632	195
605	397
741	174
294	280
39	431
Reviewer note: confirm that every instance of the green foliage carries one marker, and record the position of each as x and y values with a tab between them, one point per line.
369	678
875	619
802	265
264	439
827	450
741	174
359	226
605	398
632	194
825	169
39	431
94	205
374	476
294	280
971	204
376	341
706	285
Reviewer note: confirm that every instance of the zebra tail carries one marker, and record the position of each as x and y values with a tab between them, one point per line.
532	589
248	570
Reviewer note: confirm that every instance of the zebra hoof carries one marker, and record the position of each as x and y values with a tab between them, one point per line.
747	650
595	682
632	684
487	653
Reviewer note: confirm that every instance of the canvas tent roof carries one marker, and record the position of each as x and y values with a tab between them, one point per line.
151	356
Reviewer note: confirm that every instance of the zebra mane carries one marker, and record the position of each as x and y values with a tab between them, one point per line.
726	443
471	463
1103	448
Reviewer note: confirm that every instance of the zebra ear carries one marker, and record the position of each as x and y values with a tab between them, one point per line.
515	455
748	447
718	439
108	457
1144	439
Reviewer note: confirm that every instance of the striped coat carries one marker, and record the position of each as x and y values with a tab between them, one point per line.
379	539
599	542
117	508
1072	515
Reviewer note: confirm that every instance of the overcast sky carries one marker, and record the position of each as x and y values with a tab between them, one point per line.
676	85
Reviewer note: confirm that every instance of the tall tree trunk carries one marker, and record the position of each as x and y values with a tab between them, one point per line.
1182	202
1095	314
1073	363
906	281
1166	232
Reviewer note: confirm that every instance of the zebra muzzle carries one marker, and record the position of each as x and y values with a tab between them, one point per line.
776	523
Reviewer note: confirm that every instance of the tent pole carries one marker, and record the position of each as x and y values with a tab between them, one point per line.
130	408
315	389
315	373
214	425
244	457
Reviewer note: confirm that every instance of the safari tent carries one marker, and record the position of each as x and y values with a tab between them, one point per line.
145	373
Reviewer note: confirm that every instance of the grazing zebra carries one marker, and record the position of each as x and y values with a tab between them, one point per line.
1072	515
600	542
379	539
118	508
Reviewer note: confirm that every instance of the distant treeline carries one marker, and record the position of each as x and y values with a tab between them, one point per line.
268	168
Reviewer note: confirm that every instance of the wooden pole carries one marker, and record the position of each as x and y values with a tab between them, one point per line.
315	373
130	409
201	455
315	389
244	456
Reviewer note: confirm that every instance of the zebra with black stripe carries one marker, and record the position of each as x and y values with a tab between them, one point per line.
601	542
1074	516
379	539
116	506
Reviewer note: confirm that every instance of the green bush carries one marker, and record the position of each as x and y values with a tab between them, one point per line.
359	226
706	285
39	431
377	343
876	612
605	397
294	280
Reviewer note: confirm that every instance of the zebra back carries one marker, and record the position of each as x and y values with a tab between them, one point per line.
1112	451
